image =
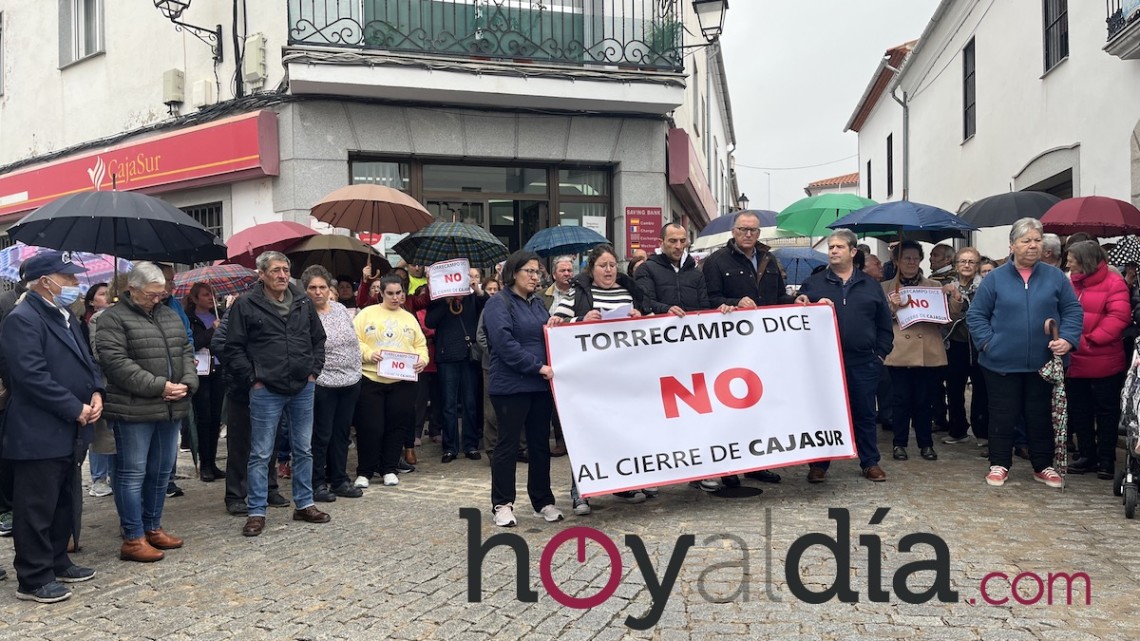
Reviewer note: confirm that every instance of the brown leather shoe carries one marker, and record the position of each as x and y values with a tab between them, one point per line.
254	525
410	455
875	473
139	550
558	450
311	515
816	474
163	540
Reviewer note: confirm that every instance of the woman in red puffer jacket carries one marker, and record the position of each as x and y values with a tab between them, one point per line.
1096	372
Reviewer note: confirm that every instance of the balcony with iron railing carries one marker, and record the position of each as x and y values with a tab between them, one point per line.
1123	20
637	34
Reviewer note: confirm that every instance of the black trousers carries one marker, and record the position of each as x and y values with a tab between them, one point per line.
239	436
1016	395
382	417
429	407
531	412
1094	415
333	409
963	367
207	403
5	471
42	515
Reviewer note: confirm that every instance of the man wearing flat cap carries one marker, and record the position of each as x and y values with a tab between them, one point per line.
56	390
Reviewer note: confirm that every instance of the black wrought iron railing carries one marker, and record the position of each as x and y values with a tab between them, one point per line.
1121	13
628	33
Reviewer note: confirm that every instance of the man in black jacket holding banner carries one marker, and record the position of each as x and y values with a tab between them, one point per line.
744	274
865	336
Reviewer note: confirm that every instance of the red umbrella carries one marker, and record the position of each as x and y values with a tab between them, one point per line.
1096	215
246	245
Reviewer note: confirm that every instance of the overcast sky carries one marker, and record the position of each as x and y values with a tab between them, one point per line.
796	70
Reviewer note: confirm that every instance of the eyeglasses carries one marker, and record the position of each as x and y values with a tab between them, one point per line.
533	273
748	231
967	262
153	295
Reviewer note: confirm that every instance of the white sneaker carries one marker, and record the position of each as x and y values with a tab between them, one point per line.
100	488
582	507
550	513
391	479
651	492
505	515
954	440
360	482
708	485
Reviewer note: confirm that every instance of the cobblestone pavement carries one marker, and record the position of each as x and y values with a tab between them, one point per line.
393	563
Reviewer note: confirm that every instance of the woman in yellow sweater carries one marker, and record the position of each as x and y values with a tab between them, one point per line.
387	405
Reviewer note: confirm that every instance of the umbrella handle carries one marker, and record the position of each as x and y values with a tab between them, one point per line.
1051	328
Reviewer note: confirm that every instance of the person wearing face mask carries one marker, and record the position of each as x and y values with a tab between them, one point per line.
56	393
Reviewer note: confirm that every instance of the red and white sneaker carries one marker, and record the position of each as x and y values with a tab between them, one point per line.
1050	477
997	475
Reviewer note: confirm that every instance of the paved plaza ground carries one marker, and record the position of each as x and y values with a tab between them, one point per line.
393	564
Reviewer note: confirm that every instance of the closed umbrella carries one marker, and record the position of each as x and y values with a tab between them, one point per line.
340	255
564	239
1006	209
279	235
811	216
1054	372
1096	215
124	224
444	241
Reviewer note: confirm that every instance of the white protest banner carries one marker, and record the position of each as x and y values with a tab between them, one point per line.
922	304
449	278
398	365
661	400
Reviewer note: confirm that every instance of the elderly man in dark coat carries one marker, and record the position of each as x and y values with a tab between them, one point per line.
56	391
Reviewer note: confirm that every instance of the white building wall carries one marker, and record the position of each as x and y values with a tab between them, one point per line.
121	88
1088	101
886	119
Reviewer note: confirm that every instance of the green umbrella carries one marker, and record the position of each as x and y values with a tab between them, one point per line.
811	216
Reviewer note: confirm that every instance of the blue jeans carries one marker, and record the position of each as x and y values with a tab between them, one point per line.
144	455
101	466
862	385
265	410
458	383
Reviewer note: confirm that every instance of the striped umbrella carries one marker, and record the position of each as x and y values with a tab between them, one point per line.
223	279
100	267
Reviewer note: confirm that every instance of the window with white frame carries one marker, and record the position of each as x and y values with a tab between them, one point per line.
80	29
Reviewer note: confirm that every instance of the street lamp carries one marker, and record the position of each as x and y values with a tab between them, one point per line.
172	10
743	201
710	16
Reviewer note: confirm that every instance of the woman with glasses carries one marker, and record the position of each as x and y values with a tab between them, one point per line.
962	359
146	356
914	363
386	405
600	288
519	388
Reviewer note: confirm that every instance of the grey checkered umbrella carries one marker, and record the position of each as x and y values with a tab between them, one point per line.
444	241
1126	251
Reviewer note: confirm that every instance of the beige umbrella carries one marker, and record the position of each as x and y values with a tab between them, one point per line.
372	208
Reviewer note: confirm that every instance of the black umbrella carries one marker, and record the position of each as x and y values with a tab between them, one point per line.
1006	209
1126	251
124	224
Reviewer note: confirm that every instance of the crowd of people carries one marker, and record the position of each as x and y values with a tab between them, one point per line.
294	369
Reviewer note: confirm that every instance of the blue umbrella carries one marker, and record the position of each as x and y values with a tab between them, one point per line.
564	239
723	224
799	262
910	219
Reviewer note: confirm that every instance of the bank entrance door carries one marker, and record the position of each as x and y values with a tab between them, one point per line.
513	222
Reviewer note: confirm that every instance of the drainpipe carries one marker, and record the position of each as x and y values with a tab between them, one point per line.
905	104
